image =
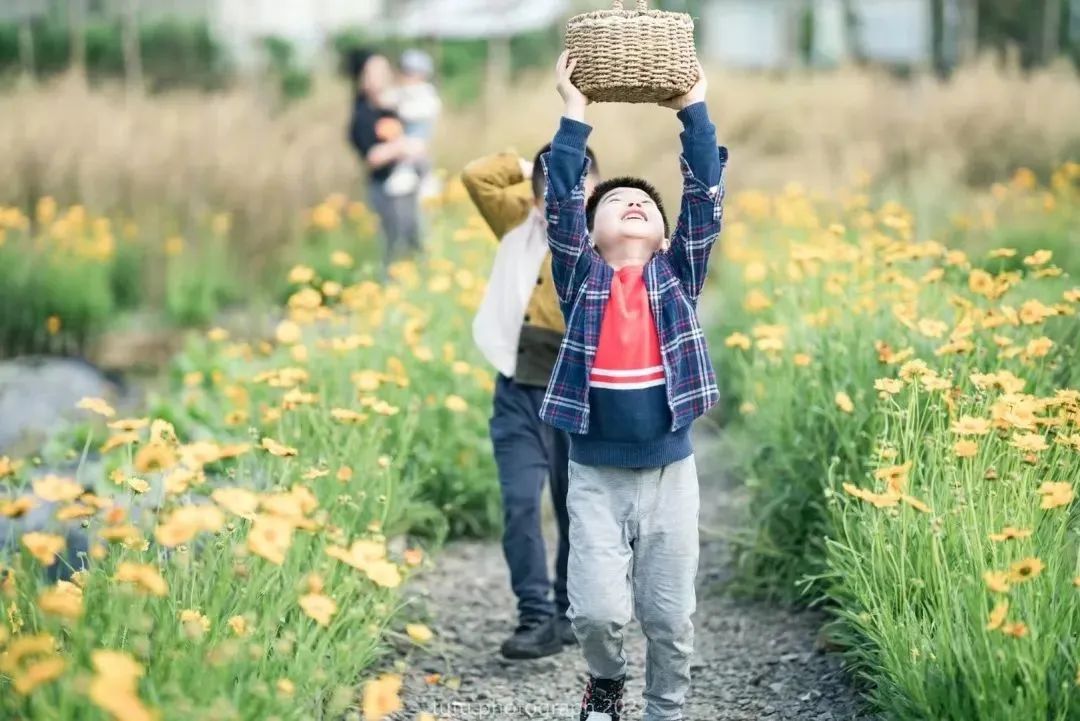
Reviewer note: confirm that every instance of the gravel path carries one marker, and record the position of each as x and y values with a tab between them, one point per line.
753	661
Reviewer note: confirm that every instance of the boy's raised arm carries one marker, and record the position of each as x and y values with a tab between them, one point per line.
500	190
701	215
565	168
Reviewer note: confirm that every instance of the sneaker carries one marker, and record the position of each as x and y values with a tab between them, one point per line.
566	631
533	638
603	699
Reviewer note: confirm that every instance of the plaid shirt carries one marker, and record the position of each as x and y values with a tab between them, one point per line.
674	279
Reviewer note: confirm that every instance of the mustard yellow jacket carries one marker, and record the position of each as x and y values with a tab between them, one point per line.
503	196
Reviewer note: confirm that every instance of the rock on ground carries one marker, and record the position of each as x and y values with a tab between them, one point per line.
38	395
752	660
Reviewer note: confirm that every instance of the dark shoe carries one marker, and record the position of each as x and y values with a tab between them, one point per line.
602	696
566	631
533	638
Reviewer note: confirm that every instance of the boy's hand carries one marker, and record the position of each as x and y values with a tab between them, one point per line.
695	94
574	99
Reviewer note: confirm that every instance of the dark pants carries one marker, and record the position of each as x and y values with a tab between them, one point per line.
399	218
526	452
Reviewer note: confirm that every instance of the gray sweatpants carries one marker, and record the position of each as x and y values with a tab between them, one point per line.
399	217
634	548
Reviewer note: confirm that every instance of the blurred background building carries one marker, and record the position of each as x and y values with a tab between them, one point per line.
221	36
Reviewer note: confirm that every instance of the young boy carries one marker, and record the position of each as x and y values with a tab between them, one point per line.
518	328
417	103
633	372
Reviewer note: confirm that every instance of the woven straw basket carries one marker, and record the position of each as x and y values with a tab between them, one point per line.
632	56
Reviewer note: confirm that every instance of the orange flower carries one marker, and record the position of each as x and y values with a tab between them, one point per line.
96	405
144	577
64	599
997	581
56	489
844	402
1025	569
895	477
270	537
965	448
997	616
1017	629
44	546
381	697
278	449
1055	494
319	607
1009	532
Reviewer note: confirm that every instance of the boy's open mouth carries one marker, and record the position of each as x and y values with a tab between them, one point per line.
634	215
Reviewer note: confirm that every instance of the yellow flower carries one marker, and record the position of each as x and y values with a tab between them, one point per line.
1002	252
1016	629
844	402
114	687
1009	532
7	467
44	546
344	474
238	625
195	624
418	632
965	449
888	386
154	457
144	577
96	405
64	599
57	489
138	485
878	500
301	274
971	426
1025	569
360	554
1055	494
288	333
37	673
383	573
801	360
341	259
381	697
1039	347
128	424
738	340
118	440
270	537
238	501
895	477
997	616
1039	257
217	335
285	687
319	607
457	404
18	507
344	415
1030	442
996	581
278	449
413	556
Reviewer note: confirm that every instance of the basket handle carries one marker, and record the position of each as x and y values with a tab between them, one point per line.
642	5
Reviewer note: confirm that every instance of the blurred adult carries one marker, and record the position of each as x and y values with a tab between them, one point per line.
378	134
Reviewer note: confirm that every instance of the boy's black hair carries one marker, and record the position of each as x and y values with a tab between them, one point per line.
538	170
625	182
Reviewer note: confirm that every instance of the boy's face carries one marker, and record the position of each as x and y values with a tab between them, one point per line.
627	214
